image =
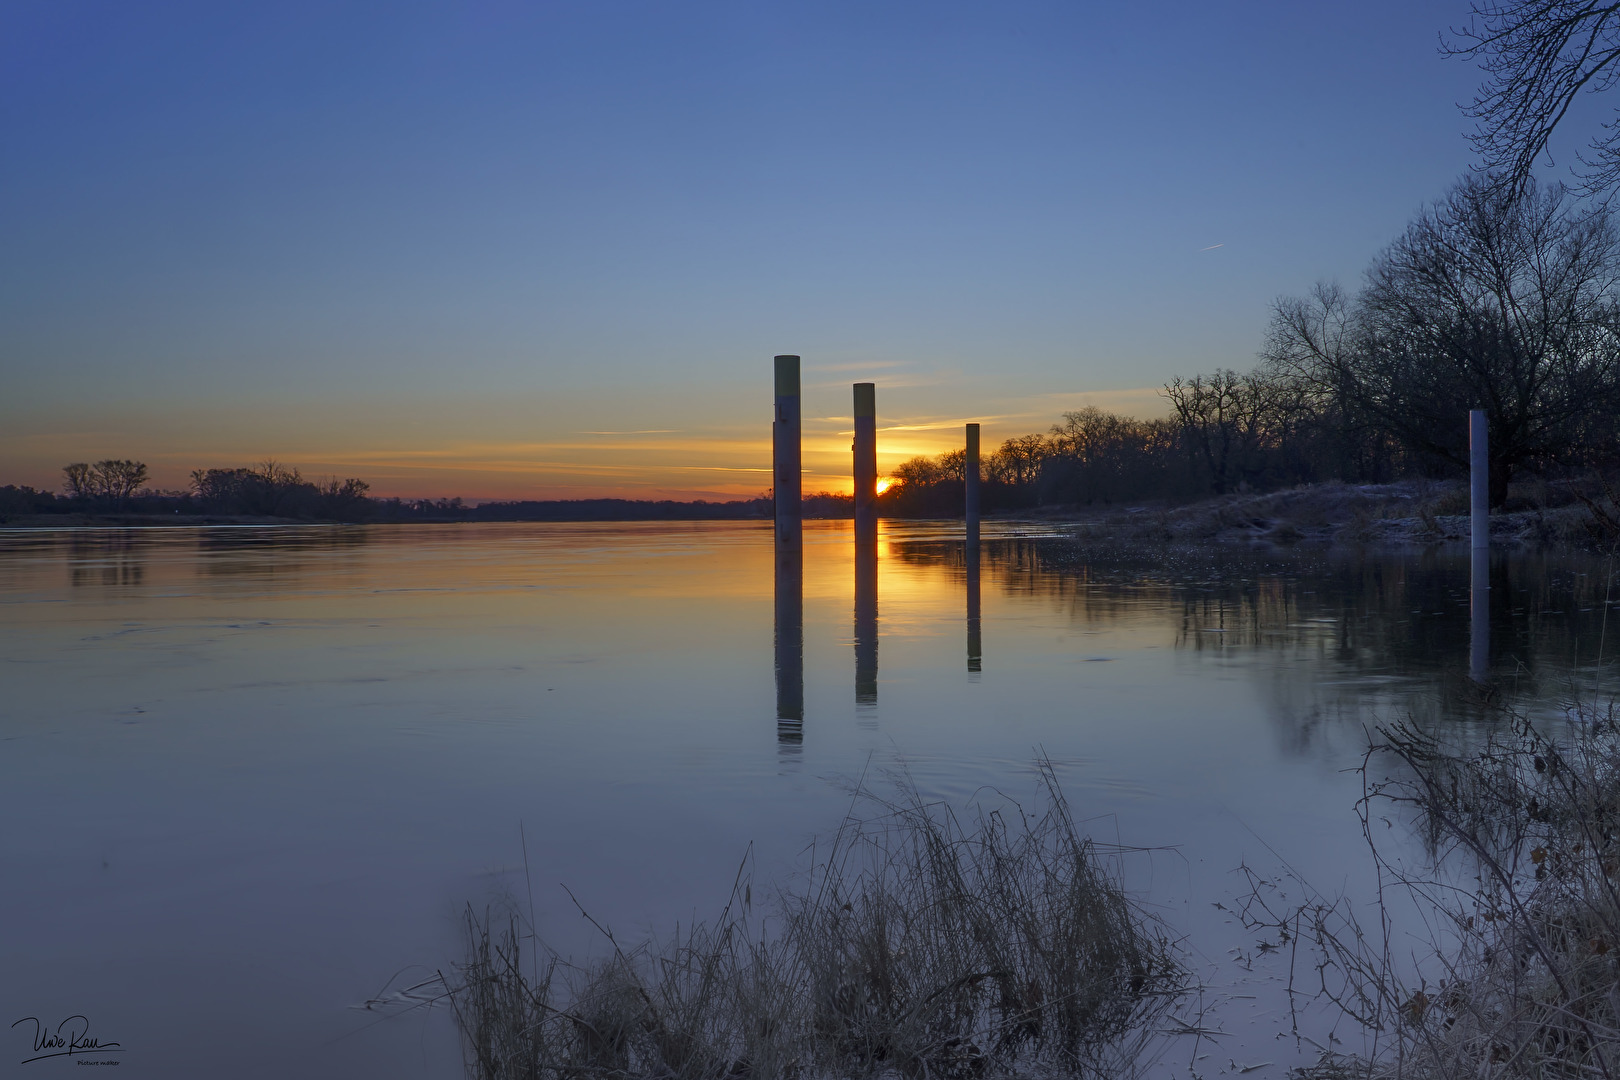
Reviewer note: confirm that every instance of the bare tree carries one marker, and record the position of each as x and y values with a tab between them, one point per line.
113	478
119	478
79	480
1224	418
1539	56
1094	454
1490	300
1018	461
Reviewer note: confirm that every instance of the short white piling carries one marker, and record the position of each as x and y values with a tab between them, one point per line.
1479	543
865	463
970	485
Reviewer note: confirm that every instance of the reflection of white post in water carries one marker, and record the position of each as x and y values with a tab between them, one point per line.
1479	614
787	478
789	647
970	503
865	463
866	621
1479	543
975	646
970	506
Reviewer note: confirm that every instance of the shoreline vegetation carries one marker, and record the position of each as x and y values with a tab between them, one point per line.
1580	512
1513	969
918	943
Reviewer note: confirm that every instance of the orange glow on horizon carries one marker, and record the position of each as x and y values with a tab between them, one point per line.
485	449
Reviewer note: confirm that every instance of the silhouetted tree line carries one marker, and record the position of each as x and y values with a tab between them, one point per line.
114	479
274	490
1496	298
268	490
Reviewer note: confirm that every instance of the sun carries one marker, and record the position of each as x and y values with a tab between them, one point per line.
884	484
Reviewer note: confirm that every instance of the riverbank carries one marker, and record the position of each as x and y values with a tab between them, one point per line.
1402	514
1407	513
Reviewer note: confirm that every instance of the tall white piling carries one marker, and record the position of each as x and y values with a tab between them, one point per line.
1479	555
970	484
786	465
865	463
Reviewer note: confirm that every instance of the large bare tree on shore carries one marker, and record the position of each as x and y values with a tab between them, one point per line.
114	478
1540	56
1491	300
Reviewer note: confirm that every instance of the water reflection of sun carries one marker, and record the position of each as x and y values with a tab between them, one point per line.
884	484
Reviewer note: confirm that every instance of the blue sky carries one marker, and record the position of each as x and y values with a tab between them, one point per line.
444	246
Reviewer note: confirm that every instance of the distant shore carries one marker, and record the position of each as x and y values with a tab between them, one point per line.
1407	513
1402	514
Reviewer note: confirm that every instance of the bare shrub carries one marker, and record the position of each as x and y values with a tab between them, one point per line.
1451	502
1285	532
1521	974
1603	514
915	946
1360	529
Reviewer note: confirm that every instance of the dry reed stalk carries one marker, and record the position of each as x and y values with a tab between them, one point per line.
917	946
1520	974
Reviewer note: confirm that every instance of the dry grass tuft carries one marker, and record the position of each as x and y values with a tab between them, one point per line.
916	946
1520	976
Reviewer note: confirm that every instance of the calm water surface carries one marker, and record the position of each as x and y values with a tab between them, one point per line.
250	775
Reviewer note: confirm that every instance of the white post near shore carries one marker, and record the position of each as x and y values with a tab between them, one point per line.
788	483
1479	543
970	485
1479	480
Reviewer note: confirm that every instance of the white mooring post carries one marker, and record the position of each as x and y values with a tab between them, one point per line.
1479	480
970	485
787	478
865	463
1479	543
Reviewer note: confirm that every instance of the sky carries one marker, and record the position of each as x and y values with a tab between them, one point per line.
548	249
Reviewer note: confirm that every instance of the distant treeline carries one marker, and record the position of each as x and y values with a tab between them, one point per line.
1495	298
112	488
268	490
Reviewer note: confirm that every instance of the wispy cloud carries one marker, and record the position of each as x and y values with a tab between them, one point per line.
865	365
